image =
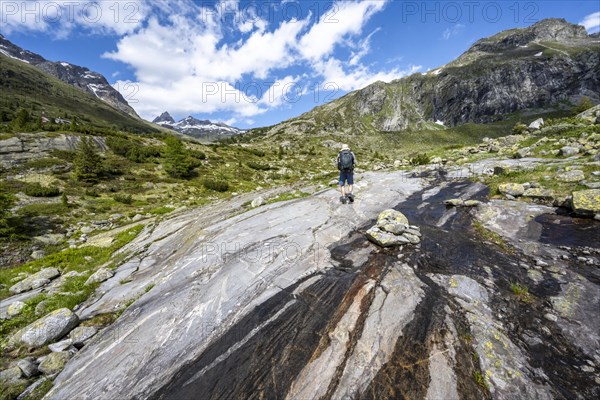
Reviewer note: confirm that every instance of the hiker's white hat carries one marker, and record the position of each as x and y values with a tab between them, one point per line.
345	147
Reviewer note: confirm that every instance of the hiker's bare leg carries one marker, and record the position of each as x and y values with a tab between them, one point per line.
343	188
350	189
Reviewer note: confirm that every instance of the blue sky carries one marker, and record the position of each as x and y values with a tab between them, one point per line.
255	64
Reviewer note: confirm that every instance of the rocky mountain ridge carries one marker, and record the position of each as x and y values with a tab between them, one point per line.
540	67
79	77
199	129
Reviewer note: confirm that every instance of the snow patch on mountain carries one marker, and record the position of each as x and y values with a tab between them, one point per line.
201	129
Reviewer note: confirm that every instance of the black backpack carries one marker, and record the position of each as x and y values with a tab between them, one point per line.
346	160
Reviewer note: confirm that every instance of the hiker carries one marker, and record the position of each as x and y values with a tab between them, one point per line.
346	161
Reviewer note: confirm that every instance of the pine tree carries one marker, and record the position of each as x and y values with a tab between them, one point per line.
177	162
88	163
21	119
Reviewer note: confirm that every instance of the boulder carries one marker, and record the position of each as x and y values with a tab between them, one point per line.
537	124
512	189
259	201
45	330
586	202
394	229
82	334
10	376
522	153
54	363
455	202
28	367
392	216
575	175
568	151
15	308
101	275
35	281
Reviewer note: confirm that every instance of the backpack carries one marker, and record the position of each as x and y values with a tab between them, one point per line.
346	160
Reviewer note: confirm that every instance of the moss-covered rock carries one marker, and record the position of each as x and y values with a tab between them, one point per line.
392	216
511	189
54	362
539	193
586	202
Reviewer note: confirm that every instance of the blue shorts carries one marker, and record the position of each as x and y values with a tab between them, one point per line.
346	176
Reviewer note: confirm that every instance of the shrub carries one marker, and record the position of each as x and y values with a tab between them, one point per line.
38	190
519	129
6	202
216	185
123	198
258	166
420	159
584	104
91	193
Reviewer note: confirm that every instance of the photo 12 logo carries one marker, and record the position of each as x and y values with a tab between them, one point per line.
469	11
52	12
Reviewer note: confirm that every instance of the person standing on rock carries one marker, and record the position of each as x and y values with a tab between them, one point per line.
346	161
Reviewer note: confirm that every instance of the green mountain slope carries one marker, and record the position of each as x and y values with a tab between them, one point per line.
25	87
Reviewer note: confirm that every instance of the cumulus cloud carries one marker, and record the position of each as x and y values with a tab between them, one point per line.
192	57
591	22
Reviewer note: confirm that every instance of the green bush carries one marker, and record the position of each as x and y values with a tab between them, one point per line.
584	104
216	185
519	129
37	190
91	193
256	152
420	159
258	166
123	198
6	202
198	154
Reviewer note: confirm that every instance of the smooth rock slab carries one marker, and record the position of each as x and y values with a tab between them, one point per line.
575	175
35	281
101	275
46	330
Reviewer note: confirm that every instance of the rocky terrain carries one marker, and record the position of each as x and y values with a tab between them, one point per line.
204	130
292	300
79	77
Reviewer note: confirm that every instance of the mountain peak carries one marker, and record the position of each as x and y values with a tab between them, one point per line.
164	117
200	129
549	29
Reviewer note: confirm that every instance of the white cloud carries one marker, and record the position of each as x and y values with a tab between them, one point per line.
185	61
453	31
334	73
344	18
591	22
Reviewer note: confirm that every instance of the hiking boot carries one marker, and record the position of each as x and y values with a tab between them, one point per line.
343	199
350	197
